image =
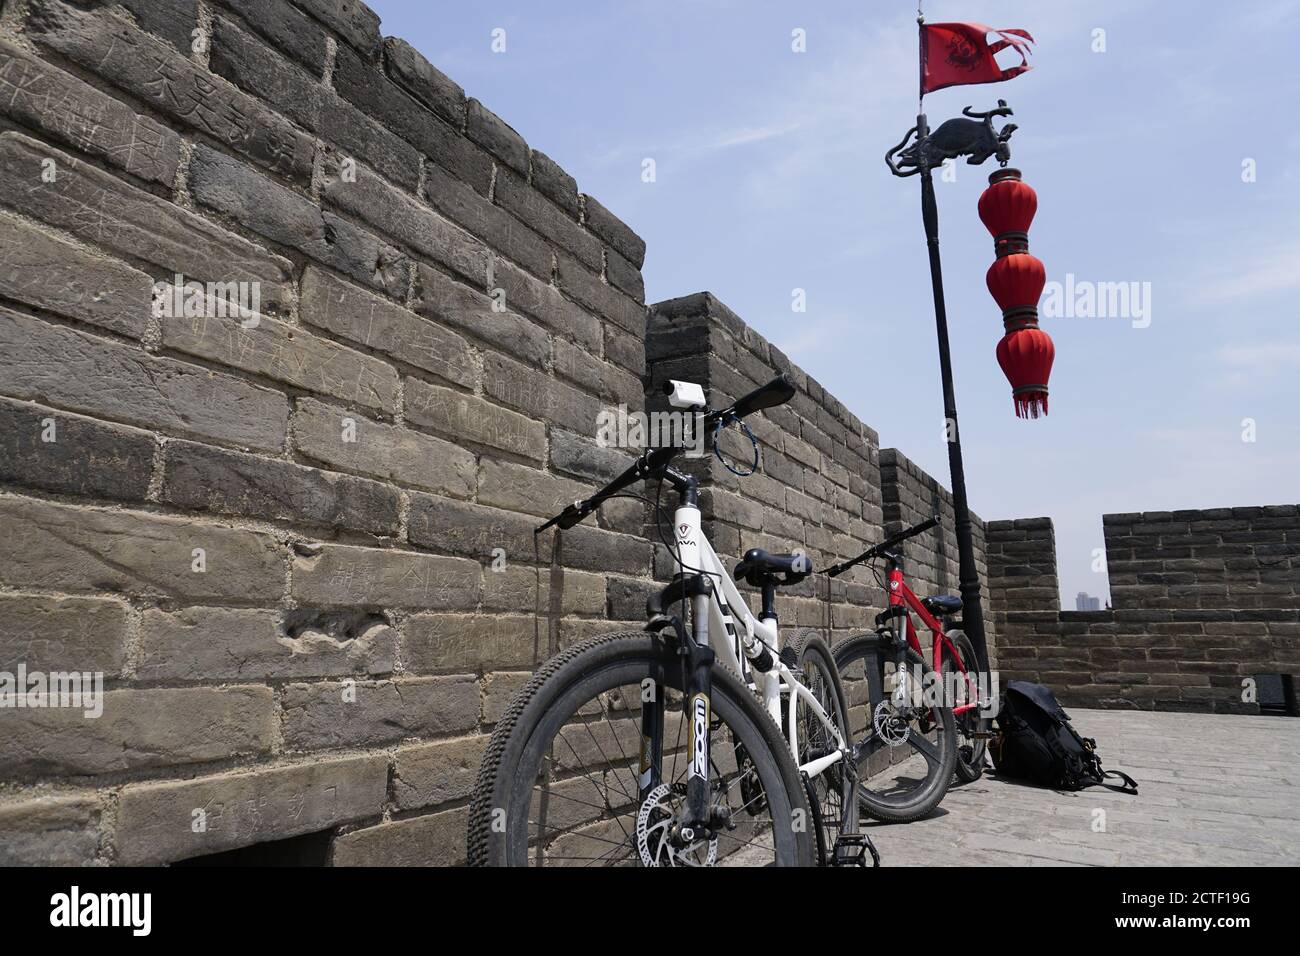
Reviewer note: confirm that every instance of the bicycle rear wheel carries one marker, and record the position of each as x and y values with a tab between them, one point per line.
905	758
814	664
971	723
559	783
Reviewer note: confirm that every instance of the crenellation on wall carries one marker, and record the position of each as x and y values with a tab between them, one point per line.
1205	604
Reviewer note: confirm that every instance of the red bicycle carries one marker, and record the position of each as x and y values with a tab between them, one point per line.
915	716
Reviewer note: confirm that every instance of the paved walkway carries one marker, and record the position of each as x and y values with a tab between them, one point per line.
1214	790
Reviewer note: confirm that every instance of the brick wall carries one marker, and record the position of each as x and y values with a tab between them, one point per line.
299	548
1202	600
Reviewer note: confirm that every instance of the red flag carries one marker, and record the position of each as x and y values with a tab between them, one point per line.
954	54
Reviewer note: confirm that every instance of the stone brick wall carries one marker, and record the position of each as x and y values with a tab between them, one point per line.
298	547
1202	600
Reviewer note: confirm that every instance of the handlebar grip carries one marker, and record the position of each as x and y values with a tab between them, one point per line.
776	392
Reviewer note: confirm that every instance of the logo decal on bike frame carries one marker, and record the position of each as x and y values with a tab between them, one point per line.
700	736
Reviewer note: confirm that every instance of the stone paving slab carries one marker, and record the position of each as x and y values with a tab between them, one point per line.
1214	790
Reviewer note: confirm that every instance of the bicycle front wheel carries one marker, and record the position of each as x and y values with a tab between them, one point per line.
906	755
560	782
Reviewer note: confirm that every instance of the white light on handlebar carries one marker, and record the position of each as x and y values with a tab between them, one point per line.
684	394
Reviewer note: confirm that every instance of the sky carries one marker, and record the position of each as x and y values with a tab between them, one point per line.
1161	138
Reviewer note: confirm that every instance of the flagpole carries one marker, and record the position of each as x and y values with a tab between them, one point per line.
967	574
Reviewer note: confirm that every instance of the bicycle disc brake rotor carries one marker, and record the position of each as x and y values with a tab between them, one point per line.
889	726
656	835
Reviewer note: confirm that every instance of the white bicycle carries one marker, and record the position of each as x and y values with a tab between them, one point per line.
700	740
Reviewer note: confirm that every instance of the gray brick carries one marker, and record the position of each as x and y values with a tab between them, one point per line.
86	457
282	352
436	839
50	830
165	79
286	29
139	729
173	22
624	276
536	393
403	218
41	97
555	183
468	529
259	70
499	690
587	288
364	86
73	370
627	351
284	216
68	548
101	209
62	634
352	313
425	82
582	456
328	714
542	216
503	232
217	643
513	487
613	231
350	19
439	297
204	478
469	418
496	136
525	293
383	451
434	643
428	774
346	576
55	275
155	820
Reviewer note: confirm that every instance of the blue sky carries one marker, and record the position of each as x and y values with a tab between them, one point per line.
770	178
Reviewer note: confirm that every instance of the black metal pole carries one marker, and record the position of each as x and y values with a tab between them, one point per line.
972	605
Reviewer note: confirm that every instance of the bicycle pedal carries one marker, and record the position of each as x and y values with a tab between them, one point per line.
851	849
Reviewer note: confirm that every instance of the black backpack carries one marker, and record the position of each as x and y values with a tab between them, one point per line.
1036	742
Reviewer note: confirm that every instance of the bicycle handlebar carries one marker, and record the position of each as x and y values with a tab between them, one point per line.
776	392
896	538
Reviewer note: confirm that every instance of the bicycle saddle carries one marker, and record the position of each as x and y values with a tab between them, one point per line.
759	568
941	605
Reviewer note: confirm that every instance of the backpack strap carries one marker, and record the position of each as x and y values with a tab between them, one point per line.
1129	785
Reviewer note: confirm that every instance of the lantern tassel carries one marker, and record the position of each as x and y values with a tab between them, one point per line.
1031	405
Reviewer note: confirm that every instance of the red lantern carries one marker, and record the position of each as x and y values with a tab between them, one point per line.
1007	209
1016	281
1026	355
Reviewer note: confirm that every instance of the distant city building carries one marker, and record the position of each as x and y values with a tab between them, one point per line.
1083	601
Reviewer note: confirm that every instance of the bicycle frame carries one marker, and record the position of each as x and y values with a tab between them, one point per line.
721	619
902	596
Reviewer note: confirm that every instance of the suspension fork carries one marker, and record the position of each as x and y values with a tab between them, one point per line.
699	704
